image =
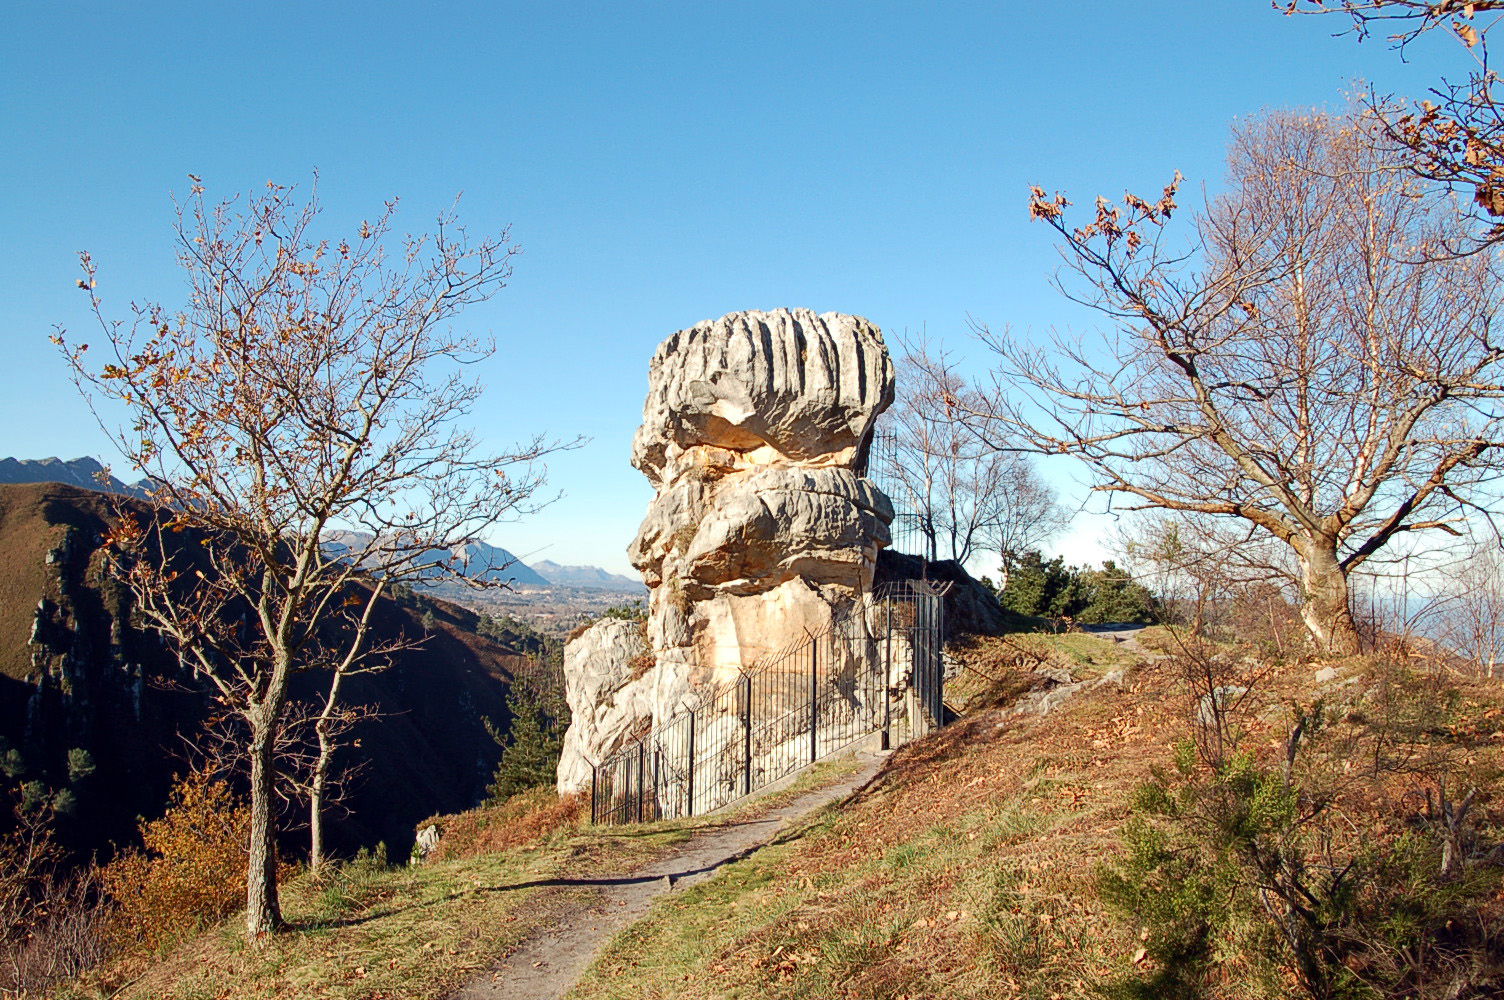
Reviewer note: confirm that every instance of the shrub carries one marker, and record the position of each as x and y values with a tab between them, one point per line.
1051	589
189	871
521	821
1360	863
51	919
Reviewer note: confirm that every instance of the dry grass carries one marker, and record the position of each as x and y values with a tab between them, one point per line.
524	819
969	871
966	872
997	670
372	931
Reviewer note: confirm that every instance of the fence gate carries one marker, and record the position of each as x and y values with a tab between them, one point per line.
876	669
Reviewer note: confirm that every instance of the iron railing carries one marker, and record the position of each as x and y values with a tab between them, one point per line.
876	669
883	468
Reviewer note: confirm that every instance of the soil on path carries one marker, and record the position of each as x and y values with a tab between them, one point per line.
546	965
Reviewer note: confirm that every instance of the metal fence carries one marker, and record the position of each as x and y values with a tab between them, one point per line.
883	467
876	669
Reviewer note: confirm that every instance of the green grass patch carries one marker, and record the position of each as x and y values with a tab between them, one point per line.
366	930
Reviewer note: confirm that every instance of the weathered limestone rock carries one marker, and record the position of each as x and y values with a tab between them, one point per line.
763	388
610	694
754	432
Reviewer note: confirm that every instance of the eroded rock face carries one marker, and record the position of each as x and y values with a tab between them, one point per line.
762	529
753	430
609	695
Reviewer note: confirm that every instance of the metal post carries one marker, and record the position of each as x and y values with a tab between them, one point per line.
940	657
690	807
887	743
595	805
642	751
747	734
814	700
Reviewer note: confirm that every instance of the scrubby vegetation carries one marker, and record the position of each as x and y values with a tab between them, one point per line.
1048	588
1212	813
186	873
1286	836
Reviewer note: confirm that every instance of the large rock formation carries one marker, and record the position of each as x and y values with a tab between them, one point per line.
754	435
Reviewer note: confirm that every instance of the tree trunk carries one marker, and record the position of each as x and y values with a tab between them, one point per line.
1327	607
263	910
316	792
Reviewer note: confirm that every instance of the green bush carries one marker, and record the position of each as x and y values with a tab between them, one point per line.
1349	884
1051	589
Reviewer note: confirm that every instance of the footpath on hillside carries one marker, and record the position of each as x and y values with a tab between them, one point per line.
546	965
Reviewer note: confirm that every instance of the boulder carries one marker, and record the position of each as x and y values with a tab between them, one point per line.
763	527
610	694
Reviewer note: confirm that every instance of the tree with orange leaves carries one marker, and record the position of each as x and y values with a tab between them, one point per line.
308	387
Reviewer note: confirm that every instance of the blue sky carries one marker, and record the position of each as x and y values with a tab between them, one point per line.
660	164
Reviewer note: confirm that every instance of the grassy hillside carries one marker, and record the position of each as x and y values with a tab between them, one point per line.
972	867
373	931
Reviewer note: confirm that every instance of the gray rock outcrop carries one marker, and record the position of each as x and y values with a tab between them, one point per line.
606	701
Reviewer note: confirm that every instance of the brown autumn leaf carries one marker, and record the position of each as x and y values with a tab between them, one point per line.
1490	199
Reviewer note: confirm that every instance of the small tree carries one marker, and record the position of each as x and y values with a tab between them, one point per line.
305	387
534	740
1472	613
1312	368
964	498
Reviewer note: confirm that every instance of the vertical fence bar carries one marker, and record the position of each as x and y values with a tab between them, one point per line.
746	686
595	802
887	692
814	700
690	794
642	750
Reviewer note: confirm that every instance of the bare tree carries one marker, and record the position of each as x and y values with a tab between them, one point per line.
1471	609
1455	135
964	498
309	779
305	386
1309	367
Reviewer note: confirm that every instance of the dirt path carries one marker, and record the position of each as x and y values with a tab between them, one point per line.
546	965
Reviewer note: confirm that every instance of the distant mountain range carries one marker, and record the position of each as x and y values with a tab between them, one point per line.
481	558
585	576
85	472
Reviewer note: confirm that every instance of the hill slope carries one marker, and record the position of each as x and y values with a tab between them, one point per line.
969	868
74	674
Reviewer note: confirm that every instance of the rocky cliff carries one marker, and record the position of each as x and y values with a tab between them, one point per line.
763	527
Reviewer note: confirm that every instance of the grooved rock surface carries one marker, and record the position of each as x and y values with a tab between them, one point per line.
786	386
754	435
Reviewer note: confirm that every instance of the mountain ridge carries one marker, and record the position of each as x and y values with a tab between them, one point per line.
592	577
482	558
